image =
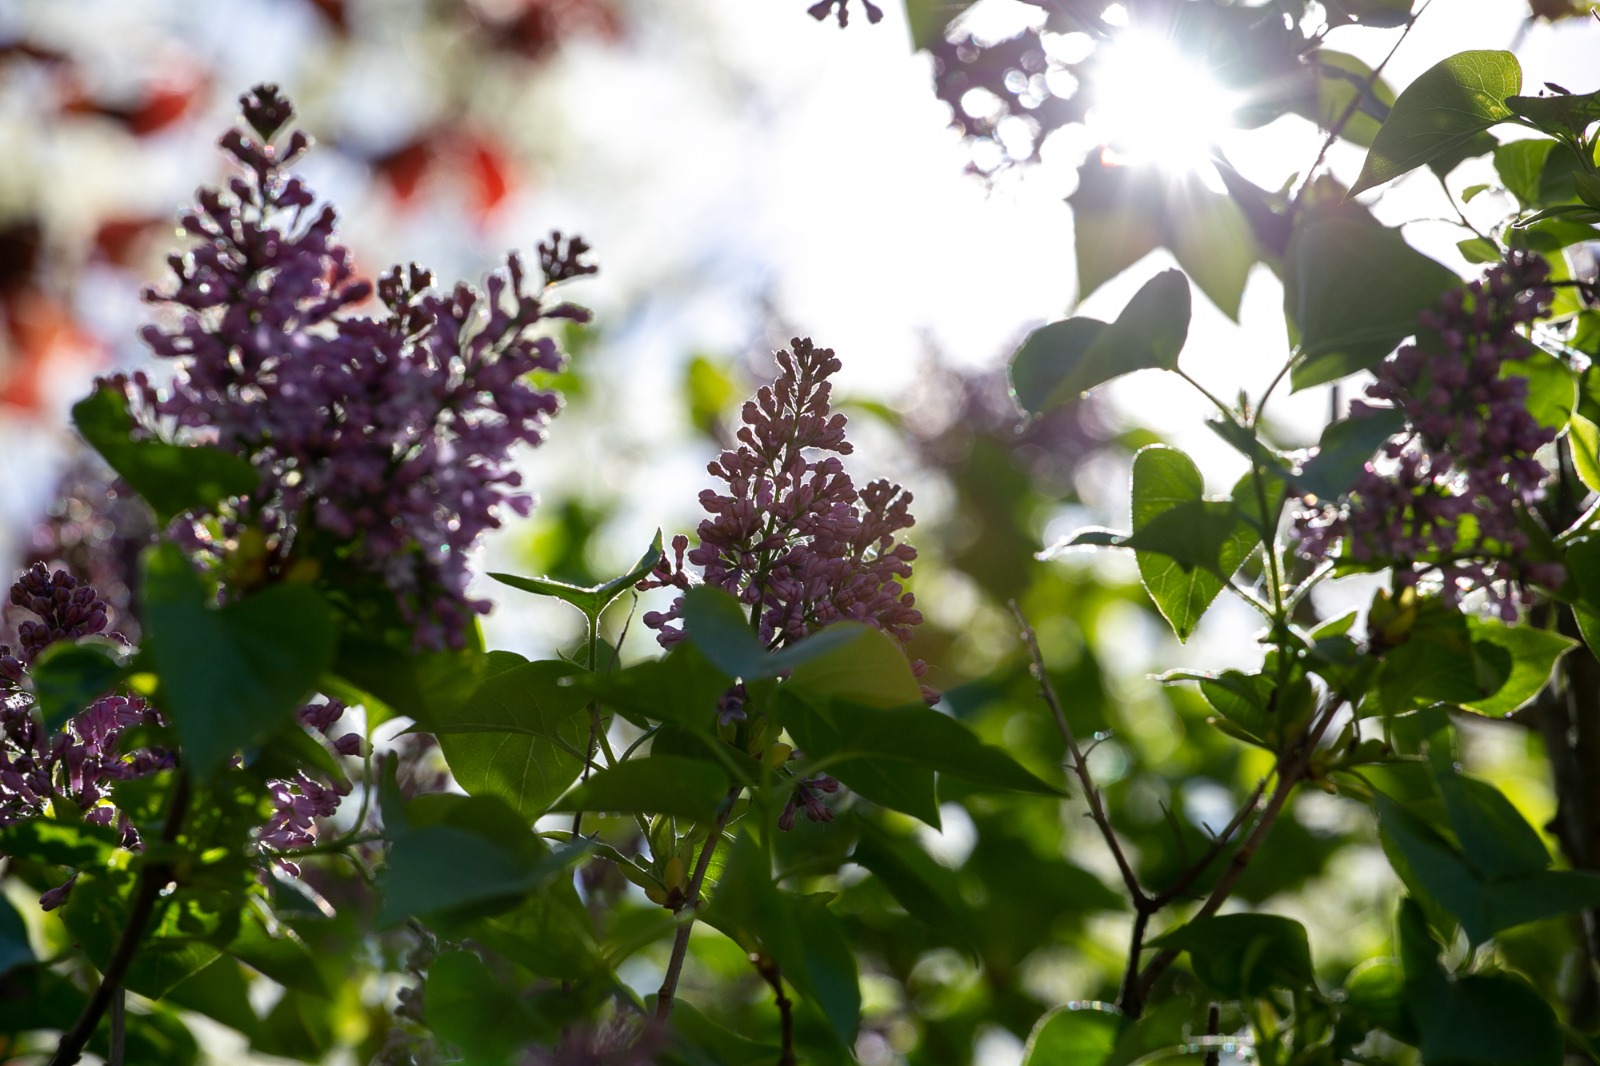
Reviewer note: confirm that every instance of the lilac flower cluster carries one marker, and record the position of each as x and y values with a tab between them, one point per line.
792	537
393	434
1468	448
80	762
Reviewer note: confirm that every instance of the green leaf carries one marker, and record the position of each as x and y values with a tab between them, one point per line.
1344	451
231	675
1341	79
1061	361
96	913
1353	290
1498	841
1519	165
683	688
712	1045
720	628
1448	104
1165	479
469	1006
418	684
507	739
592	599
14	947
1584	436
926	889
798	932
172	478
913	733
456	852
861	664
1081	1034
1376	989
1552	388
1479	250
657	784
79	845
280	955
71	675
1533	654
1243	955
1560	114
1211	239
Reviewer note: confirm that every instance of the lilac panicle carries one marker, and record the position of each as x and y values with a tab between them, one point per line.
1468	448
791	536
392	434
79	762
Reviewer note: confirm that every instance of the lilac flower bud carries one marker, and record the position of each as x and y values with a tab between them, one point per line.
55	897
66	610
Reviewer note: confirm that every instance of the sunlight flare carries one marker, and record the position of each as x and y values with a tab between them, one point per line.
1154	105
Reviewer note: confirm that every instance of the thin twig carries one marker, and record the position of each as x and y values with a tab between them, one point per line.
1213	1021
152	879
774	977
1080	766
1218	844
1349	112
1292	769
691	900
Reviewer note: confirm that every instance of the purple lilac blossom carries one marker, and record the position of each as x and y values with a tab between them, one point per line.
392	436
79	762
1468	449
793	538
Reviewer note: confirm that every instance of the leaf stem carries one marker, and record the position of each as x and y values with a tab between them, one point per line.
1227	412
774	977
691	900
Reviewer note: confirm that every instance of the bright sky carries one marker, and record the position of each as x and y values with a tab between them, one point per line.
735	163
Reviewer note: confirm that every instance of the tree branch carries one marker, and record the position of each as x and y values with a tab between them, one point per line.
152	879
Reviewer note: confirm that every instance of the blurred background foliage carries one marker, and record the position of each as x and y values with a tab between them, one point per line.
450	129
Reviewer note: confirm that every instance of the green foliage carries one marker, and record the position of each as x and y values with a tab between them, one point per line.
171	478
230	675
1353	290
1061	361
1446	106
1206	541
520	736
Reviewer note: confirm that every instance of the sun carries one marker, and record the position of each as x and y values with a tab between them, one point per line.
1153	105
